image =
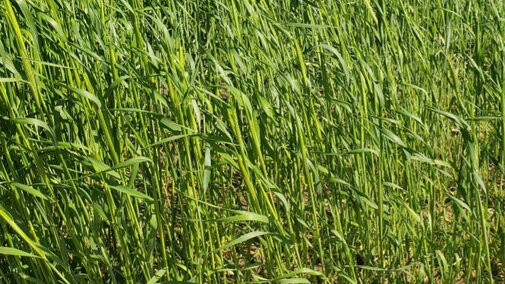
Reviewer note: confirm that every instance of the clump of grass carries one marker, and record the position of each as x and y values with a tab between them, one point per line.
252	141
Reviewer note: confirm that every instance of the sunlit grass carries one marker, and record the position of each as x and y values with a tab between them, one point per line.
252	141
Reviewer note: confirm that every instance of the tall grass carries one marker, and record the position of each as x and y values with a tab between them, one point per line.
252	141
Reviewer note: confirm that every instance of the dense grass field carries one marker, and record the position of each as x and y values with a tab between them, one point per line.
232	141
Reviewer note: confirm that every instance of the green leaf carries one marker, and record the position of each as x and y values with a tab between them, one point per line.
11	80
15	252
341	60
30	190
363	150
115	84
295	280
132	161
131	192
100	166
87	95
303	270
35	122
244	238
171	125
370	268
244	216
157	276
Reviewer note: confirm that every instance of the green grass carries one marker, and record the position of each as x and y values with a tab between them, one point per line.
235	141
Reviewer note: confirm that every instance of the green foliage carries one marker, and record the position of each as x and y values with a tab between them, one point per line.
259	141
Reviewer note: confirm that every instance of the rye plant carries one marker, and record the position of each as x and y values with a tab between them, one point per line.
257	141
